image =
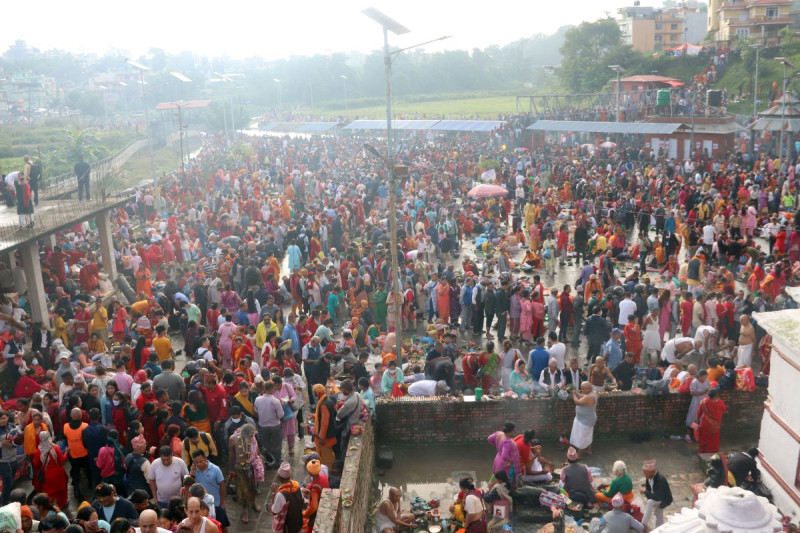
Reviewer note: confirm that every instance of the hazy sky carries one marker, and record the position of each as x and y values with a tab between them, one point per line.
274	29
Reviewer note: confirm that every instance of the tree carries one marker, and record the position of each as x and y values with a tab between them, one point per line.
588	49
83	143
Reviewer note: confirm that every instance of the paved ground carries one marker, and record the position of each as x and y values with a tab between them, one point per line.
433	472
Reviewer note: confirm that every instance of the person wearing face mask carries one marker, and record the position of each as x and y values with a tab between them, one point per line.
236	420
391	376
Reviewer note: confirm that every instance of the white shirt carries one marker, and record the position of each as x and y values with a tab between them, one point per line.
425	387
558	351
708	234
553	383
472	504
626	307
700	335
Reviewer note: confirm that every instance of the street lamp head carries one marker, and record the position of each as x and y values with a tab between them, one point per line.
388	23
343	76
136	65
276	80
180	77
616	68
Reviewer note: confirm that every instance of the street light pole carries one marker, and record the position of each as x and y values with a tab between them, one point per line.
757	48
344	79
785	63
180	130
153	176
618	69
183	79
398	29
388	24
280	93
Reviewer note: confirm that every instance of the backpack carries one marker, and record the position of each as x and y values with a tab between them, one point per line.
36	171
293	519
204	438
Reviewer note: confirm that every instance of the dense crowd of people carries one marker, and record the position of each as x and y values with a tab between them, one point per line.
271	272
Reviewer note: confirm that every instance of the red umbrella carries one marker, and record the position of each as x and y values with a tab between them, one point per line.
485	190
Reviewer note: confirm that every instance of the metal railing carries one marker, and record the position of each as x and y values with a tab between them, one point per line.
60	185
63	188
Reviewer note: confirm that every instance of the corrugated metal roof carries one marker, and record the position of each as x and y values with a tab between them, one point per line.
318	126
366	125
580	126
288	127
721	129
396	125
771	123
467	125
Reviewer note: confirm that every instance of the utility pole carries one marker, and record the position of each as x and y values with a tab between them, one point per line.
388	24
757	48
141	68
785	63
618	69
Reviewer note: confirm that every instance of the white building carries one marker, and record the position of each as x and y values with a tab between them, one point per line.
779	443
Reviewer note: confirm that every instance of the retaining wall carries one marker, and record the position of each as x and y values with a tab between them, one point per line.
336	514
442	421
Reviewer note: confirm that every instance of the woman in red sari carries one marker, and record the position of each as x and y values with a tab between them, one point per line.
709	415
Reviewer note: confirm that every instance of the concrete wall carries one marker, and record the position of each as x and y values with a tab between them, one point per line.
334	514
619	415
780	427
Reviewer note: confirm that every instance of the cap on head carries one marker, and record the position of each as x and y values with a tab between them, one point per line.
285	470
572	454
617	500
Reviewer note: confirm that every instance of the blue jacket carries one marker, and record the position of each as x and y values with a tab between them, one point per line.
95	436
539	357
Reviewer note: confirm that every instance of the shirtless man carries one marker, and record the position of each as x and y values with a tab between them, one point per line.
598	373
747	340
195	519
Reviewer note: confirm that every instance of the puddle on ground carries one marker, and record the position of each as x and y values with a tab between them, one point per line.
428	471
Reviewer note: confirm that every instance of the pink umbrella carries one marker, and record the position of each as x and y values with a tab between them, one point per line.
485	190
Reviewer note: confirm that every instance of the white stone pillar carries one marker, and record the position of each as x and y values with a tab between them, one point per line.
33	274
106	245
51	240
12	259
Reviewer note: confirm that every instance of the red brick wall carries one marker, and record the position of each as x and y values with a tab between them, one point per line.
617	417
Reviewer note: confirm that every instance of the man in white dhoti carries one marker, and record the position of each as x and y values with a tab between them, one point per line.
585	418
747	341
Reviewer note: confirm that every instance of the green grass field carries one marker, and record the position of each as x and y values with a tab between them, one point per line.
137	168
472	105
